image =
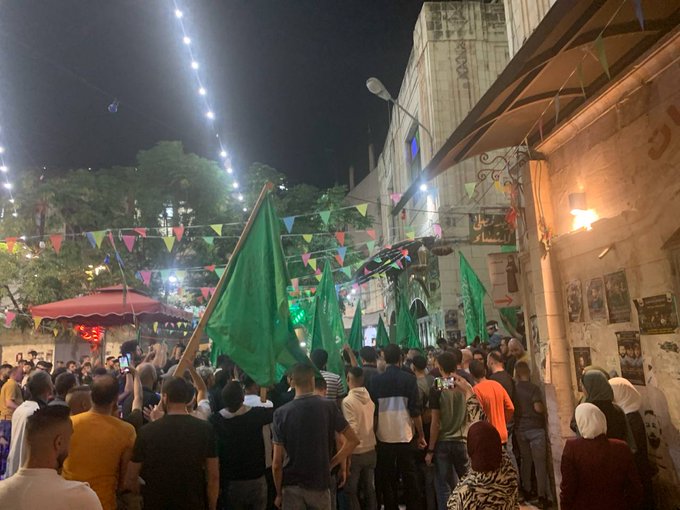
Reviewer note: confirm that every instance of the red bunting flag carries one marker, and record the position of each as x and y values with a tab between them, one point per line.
200	299
56	240
205	292
146	277
210	268
140	231
340	236
371	233
179	232
11	241
129	242
110	236
9	317
339	259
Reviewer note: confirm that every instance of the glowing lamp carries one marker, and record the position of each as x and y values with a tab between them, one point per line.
583	217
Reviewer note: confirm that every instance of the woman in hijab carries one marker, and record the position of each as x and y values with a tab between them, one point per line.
491	483
597	391
598	473
630	400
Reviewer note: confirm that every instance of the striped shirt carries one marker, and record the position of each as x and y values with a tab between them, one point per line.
334	386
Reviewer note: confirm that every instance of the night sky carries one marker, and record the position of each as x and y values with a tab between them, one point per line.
286	78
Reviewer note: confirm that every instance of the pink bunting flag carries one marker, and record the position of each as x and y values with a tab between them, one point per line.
395	198
355	287
179	232
129	242
388	246
400	264
210	268
318	271
296	284
146	277
9	317
437	229
110	236
56	240
140	231
366	272
305	258
205	291
340	236
371	233
212	290
11	241
200	299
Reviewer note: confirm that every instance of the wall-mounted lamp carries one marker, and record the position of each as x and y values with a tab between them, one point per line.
577	203
583	217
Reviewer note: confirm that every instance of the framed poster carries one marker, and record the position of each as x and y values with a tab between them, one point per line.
630	356
596	299
657	314
582	359
574	301
504	277
618	298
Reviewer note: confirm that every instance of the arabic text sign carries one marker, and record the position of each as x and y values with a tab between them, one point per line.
488	228
504	276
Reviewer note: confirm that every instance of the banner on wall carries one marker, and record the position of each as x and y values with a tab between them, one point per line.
618	298
574	301
630	356
503	274
582	359
595	297
657	314
490	228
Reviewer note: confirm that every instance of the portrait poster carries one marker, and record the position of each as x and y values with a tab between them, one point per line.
630	356
657	314
595	297
618	298
490	228
574	301
504	277
582	359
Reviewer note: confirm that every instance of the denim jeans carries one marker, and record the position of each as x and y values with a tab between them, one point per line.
451	460
533	450
395	460
294	497
247	494
362	475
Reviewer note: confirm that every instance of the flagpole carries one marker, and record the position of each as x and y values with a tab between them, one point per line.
194	342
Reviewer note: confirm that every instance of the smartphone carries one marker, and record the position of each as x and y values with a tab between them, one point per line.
445	383
124	364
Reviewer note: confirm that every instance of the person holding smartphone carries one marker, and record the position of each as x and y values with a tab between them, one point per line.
454	408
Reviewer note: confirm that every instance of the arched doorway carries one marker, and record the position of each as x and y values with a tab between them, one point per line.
422	317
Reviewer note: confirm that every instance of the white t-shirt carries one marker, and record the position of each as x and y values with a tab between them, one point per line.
29	489
254	401
17	446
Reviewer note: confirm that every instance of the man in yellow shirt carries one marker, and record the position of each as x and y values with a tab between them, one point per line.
10	399
101	445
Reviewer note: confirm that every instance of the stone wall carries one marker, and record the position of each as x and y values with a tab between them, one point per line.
522	17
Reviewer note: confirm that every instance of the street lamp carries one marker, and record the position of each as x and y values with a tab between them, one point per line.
376	87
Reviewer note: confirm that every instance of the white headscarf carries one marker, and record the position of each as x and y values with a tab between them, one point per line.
590	420
625	395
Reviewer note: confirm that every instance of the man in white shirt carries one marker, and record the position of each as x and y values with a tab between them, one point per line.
41	389
37	484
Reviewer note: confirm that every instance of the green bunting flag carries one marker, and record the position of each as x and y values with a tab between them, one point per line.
356	333
328	331
473	293
98	237
254	328
209	239
410	234
407	330
219	271
370	245
347	271
602	55
325	216
382	338
470	188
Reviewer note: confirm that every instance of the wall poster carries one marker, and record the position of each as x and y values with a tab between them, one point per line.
596	299
574	301
489	228
630	356
657	314
582	359
618	299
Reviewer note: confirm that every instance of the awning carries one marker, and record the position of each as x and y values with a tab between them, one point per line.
544	83
110	306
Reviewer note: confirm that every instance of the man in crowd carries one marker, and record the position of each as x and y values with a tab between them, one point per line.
454	408
10	398
79	399
358	409
72	367
38	484
494	336
304	430
241	450
495	401
517	351
425	470
497	373
40	388
369	363
531	436
148	376
395	394
463	364
176	456
109	364
334	386
101	445
62	385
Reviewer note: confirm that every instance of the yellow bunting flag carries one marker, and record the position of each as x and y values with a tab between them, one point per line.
318	277
36	321
99	237
307	237
55	331
155	327
362	208
217	227
169	242
312	262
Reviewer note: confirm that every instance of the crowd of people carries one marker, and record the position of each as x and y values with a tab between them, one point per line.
449	427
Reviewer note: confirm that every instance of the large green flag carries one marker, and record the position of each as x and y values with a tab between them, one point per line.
473	292
251	322
356	334
407	329
382	338
328	331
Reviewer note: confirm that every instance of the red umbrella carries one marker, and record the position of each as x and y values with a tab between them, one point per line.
110	306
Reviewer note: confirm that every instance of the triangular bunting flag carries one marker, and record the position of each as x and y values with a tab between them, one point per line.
312	263
395	265
305	258
129	242
110	238
181	274
288	222
219	271
120	260
340	236
557	108
371	233
9	317
377	260
602	55
342	251
370	245
36	321
395	198
209	239
639	14
179	232
55	332
366	271
91	239
146	277
169	242
296	284
410	234
98	237
437	229
540	126
155	327
140	231
217	227
339	260
579	73
165	274
210	268
307	237
470	188
325	216
205	291
11	241
347	271
362	208
318	277
56	240
497	185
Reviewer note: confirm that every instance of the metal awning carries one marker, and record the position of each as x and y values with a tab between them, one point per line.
544	83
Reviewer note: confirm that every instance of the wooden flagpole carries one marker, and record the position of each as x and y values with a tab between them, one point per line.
192	347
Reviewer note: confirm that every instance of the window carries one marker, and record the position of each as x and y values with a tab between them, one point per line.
413	152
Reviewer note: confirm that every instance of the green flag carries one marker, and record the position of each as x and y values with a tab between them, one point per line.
356	334
473	293
382	337
328	332
253	327
407	329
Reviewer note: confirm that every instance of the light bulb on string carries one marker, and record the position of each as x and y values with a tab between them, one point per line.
11	200
179	14
194	65
186	40
245	209
230	170
223	154
235	185
8	185
3	168
15	214
202	91
2	150
240	197
210	114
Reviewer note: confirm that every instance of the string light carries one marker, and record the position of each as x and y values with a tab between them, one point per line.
235	185
210	114
230	170
186	40
4	168
2	150
179	14
223	154
202	91
194	65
